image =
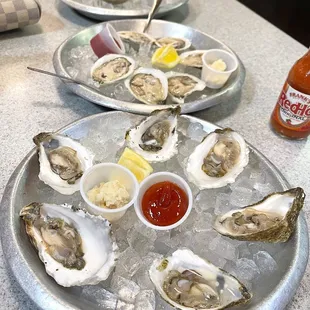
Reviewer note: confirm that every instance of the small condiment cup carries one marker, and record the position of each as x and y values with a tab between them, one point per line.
162	177
106	172
214	78
107	41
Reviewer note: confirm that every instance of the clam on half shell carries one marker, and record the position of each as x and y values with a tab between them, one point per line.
218	159
76	247
272	219
188	282
62	161
156	137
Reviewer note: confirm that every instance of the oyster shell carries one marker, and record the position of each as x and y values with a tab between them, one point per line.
136	37
218	159
181	85
75	246
156	137
115	1
62	161
149	86
187	281
272	219
180	44
192	58
111	68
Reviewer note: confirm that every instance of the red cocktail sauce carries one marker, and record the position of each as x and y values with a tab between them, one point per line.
164	203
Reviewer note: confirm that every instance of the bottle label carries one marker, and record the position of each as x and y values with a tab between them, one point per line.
294	106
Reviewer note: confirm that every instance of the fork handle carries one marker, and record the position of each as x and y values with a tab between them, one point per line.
153	11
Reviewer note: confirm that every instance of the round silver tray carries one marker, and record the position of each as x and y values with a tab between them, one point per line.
24	187
158	28
101	13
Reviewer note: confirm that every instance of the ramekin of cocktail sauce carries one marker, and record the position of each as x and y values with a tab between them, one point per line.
164	201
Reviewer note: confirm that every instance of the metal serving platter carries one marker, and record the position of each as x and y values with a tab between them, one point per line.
24	187
157	29
100	10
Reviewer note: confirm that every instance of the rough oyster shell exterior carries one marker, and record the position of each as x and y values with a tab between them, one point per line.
157	74
235	292
51	178
194	165
99	247
111	57
281	231
199	85
169	148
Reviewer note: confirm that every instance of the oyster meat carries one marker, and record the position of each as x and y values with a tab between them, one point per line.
186	281
75	246
192	58
62	161
218	159
149	86
111	68
272	219
136	37
180	44
181	85
156	137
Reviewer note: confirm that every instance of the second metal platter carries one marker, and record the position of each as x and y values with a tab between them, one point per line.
157	29
272	291
101	10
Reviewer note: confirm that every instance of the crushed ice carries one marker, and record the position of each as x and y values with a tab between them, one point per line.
80	60
140	245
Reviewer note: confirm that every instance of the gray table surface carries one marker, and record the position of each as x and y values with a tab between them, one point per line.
31	103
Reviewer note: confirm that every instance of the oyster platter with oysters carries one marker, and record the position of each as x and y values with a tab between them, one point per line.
147	70
230	242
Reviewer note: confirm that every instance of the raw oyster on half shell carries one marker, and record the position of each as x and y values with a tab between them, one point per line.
192	58
149	86
62	161
111	68
181	85
218	159
156	137
186	281
180	44
75	246
136	37
272	219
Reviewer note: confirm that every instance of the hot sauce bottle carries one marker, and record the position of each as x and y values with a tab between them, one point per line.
291	115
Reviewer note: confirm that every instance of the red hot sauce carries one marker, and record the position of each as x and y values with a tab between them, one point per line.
164	203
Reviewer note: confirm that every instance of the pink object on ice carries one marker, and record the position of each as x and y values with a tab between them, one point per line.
107	41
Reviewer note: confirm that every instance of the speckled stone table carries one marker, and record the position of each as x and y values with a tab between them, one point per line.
30	103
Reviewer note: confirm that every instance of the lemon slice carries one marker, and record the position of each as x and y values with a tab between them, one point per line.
165	57
136	164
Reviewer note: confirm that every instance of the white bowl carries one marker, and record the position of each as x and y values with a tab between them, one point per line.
161	177
108	172
214	78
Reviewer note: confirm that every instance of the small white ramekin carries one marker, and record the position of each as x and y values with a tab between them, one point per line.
108	172
161	177
213	78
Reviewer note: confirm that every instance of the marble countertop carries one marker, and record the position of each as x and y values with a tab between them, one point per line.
31	103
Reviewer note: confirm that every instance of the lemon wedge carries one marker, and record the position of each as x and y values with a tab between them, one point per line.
165	57
136	164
